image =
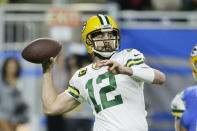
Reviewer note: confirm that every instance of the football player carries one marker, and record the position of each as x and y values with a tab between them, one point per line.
184	105
112	85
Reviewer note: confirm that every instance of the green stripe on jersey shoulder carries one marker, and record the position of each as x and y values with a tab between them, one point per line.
138	59
132	62
135	64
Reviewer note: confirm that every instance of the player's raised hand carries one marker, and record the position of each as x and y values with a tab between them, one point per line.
48	65
114	67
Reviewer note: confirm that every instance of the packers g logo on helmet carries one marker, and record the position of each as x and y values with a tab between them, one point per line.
193	61
99	23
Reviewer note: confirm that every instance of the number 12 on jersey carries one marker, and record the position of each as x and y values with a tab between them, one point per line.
103	91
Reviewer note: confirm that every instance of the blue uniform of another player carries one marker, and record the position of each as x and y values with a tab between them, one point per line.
184	105
184	108
189	117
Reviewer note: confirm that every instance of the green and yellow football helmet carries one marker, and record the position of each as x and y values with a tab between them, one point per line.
193	61
96	24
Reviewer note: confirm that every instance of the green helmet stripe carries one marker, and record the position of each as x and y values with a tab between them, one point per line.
107	20
100	19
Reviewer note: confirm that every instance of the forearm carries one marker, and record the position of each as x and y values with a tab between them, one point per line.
177	124
49	94
159	78
52	102
6	126
146	74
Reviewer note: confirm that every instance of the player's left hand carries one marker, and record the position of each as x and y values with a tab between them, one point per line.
114	67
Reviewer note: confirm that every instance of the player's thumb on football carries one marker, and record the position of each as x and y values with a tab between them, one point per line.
52	59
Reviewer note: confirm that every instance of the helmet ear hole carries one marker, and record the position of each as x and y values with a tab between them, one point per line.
114	33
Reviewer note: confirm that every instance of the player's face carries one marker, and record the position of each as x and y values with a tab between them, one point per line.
104	41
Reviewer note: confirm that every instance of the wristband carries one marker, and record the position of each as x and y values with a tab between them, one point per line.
144	74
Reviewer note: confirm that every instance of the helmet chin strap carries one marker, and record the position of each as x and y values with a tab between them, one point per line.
104	54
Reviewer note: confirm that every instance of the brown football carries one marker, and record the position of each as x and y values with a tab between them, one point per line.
41	50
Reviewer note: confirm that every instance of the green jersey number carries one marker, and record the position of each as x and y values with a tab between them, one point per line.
103	91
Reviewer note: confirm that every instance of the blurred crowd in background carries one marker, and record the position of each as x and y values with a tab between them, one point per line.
176	5
14	108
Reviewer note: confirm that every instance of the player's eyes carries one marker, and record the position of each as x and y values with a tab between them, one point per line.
100	36
111	36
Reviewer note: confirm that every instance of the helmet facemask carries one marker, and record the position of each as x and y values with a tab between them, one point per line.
105	47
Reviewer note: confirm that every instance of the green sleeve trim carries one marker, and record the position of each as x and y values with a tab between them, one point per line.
177	111
72	94
74	88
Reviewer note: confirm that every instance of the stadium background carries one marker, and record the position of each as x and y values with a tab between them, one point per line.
165	37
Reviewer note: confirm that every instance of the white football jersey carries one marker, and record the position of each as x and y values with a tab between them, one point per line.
117	101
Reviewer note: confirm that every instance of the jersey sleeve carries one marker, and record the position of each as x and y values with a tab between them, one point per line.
178	105
134	58
74	89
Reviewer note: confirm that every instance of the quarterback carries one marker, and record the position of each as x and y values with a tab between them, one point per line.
112	85
184	104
